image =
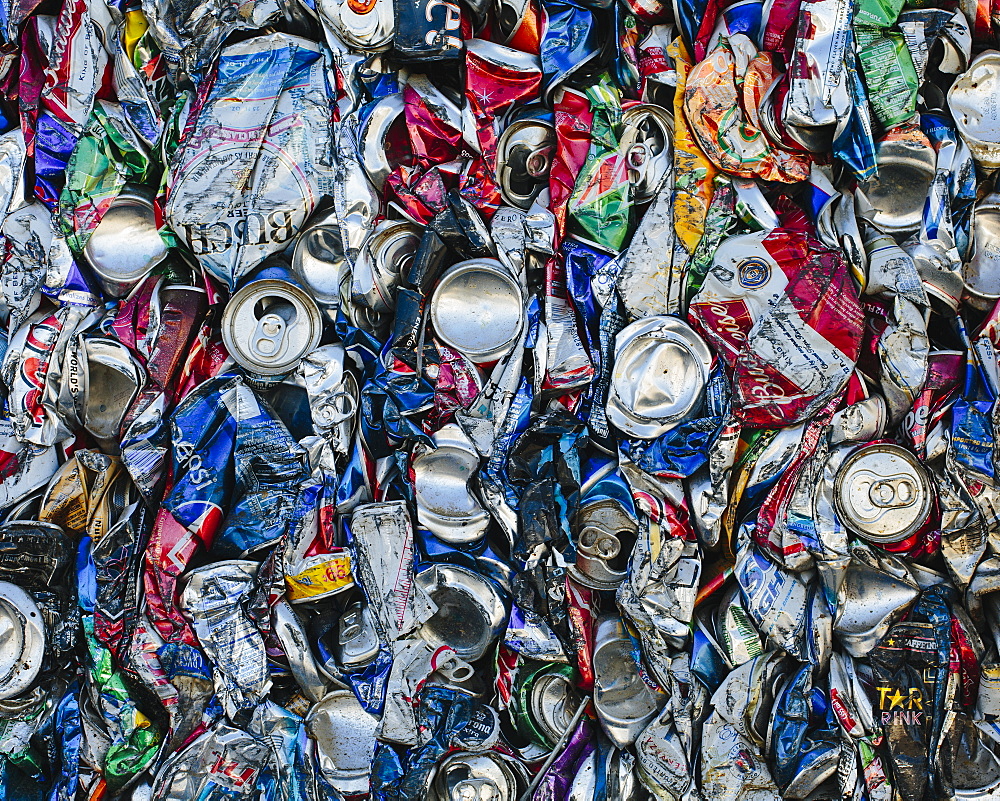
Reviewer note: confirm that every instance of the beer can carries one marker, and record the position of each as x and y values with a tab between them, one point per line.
545	702
357	641
478	309
883	494
126	245
373	136
270	324
487	775
524	157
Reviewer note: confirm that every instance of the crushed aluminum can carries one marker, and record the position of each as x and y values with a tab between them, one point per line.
373	134
320	264
906	168
345	741
524	158
489	775
883	494
319	576
876	590
978	120
270	324
980	271
624	702
238	195
363	24
24	641
646	143
545	702
661	366
446	505
126	245
607	533
470	615
357	642
477	308
112	380
385	257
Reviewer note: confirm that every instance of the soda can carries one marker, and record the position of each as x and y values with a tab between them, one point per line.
445	504
524	158
646	142
477	308
270	324
428	30
126	245
906	167
863	421
366	25
883	494
320	264
661	367
470	615
321	576
345	741
385	257
978	119
23	645
486	775
607	534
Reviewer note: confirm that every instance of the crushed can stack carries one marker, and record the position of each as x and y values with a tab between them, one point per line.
499	400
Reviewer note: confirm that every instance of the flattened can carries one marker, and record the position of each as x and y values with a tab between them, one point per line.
972	100
126	244
883	494
270	324
385	256
524	158
320	576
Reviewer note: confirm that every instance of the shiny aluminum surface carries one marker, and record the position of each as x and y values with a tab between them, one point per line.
524	158
661	366
269	325
982	272
470	614
372	134
319	262
384	257
906	168
445	504
478	309
362	24
882	493
126	244
22	640
625	704
552	704
646	142
486	776
357	639
345	740
972	100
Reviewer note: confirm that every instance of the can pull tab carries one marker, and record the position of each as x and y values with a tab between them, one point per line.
268	338
892	493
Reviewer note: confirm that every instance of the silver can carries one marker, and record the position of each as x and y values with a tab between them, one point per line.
319	262
646	143
22	645
982	272
478	309
373	134
345	741
126	245
384	258
470	612
524	158
366	25
976	116
883	494
270	324
906	166
661	368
